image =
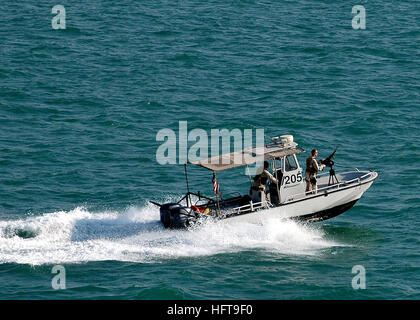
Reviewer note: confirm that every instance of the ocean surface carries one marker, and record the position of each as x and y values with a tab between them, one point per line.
80	109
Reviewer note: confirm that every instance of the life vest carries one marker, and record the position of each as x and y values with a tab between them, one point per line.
201	210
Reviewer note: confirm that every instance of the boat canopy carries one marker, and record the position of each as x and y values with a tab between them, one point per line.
246	156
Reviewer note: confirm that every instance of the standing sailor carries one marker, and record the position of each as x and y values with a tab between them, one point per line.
312	168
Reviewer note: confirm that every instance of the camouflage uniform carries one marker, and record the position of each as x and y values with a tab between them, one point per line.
260	180
312	168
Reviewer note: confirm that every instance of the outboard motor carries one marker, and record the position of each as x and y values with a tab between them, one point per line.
174	216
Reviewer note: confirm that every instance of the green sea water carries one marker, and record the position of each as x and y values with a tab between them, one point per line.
80	109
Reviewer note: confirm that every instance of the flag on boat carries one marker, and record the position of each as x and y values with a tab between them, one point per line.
215	185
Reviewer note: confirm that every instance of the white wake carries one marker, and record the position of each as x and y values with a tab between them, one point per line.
137	235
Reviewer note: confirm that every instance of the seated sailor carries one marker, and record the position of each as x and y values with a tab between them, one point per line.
260	180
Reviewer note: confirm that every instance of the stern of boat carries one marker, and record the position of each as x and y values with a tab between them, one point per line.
174	216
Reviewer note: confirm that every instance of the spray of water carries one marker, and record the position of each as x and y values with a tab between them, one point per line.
137	235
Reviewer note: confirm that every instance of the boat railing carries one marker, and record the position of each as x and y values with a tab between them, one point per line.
326	173
250	207
338	185
212	199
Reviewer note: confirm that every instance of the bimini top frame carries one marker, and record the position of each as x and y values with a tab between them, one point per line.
240	158
247	156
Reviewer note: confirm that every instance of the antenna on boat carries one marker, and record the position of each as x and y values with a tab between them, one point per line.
216	192
188	197
266	136
249	175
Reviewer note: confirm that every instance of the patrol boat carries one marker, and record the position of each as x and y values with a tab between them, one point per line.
336	193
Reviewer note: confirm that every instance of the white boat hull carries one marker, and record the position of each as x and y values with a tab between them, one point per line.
329	201
324	205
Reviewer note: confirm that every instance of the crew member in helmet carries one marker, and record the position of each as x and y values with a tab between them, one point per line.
260	180
312	168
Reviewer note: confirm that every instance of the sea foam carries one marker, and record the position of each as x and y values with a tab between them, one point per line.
136	235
